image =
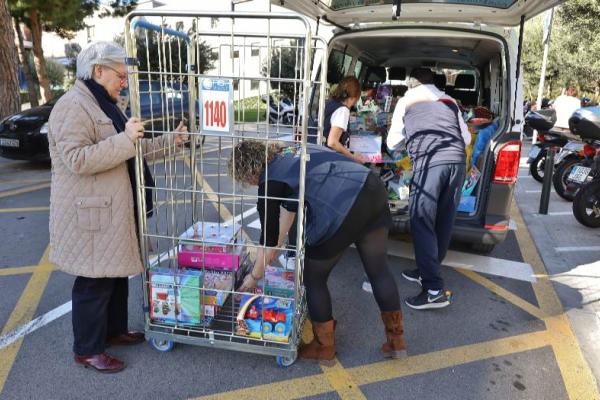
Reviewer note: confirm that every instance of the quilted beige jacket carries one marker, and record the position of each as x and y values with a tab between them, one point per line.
92	225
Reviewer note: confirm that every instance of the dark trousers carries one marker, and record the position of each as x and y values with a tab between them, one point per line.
99	312
434	197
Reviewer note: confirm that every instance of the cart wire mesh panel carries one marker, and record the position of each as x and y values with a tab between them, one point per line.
228	77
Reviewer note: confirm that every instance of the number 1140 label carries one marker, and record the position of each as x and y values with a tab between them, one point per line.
216	105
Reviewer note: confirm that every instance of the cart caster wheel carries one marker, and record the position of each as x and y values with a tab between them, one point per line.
285	362
161	345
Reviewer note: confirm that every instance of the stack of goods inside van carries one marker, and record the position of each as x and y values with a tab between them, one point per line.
370	122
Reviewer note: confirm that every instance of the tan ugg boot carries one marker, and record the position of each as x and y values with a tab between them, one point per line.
322	346
394	347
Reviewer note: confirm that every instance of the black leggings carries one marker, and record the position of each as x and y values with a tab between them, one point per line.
366	226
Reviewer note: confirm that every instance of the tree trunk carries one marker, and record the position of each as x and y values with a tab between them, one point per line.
9	82
38	55
24	59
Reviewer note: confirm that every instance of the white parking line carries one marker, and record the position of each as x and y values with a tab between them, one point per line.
487	265
568	249
66	308
34	324
555	213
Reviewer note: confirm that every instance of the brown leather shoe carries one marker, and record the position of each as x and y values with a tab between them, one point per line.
126	339
101	363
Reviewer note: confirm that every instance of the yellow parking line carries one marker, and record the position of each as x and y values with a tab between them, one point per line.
422	363
23	209
288	389
28	189
505	294
23	313
579	381
336	375
24	270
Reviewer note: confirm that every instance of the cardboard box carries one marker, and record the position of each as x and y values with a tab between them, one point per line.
279	282
188	297
369	146
162	296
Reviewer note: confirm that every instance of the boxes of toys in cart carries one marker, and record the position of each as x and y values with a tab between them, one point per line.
211	245
162	296
265	317
279	282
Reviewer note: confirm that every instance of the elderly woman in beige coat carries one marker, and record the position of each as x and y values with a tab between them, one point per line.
93	202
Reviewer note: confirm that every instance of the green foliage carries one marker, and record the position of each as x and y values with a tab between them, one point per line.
574	56
65	17
169	54
56	73
284	60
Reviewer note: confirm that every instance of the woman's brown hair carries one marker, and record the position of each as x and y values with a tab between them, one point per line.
347	88
248	159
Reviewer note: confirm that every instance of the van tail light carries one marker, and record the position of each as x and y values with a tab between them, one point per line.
507	164
541	137
589	150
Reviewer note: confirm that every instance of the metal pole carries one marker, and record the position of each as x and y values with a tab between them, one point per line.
547	185
544	64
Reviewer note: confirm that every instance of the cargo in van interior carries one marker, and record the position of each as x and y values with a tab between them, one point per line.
470	68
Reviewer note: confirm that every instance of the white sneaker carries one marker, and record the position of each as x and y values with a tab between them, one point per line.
366	286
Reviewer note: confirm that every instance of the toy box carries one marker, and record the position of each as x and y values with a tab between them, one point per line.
187	295
213	257
216	287
162	296
214	236
279	282
369	146
266	317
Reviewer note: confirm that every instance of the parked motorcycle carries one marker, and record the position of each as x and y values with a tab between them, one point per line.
282	112
574	153
542	121
585	123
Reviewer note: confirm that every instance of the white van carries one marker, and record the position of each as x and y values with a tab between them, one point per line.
382	40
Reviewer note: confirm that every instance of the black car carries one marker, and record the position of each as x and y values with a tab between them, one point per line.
24	136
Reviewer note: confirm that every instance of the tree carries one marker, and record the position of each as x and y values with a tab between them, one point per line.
24	61
151	54
63	17
9	83
284	60
574	56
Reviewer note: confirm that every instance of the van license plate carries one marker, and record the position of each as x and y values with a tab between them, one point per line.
579	174
533	153
9	142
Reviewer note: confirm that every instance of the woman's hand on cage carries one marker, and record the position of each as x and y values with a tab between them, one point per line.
134	129
181	135
248	285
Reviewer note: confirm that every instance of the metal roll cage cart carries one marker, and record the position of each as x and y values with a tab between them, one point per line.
199	239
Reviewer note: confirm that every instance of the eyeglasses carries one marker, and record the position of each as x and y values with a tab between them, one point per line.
122	77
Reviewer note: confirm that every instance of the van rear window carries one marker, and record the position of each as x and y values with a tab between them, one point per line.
344	4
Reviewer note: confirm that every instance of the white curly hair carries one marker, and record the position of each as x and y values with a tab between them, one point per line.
98	53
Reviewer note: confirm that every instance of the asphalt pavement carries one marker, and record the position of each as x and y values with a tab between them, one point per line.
501	339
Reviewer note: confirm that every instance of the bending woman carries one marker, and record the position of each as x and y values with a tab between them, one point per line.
345	204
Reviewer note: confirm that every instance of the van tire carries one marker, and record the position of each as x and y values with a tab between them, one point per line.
559	179
483	248
537	165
